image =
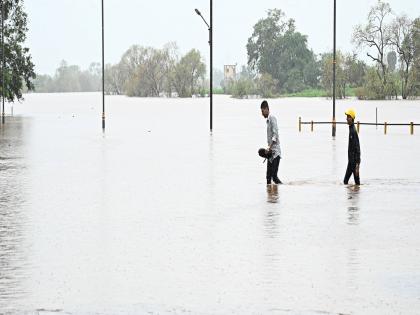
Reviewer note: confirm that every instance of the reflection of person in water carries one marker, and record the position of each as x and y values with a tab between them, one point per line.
353	205
272	193
353	150
273	151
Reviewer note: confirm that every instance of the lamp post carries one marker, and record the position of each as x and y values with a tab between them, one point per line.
210	28
2	61
334	69
103	71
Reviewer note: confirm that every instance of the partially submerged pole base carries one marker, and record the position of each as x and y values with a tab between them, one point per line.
300	124
334	127
103	121
411	128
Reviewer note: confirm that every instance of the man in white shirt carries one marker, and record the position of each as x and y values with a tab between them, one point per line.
273	145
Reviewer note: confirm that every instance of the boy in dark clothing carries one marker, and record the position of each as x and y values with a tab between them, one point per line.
353	150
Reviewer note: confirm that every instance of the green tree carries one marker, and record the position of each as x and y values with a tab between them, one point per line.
69	78
376	36
152	72
242	87
130	61
415	71
148	70
19	69
66	78
373	87
276	48
391	60
350	72
43	83
114	79
266	85
402	39
312	73
188	72
355	70
327	74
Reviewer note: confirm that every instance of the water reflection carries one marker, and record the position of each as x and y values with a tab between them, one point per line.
353	207
271	226
334	160
353	218
272	193
12	217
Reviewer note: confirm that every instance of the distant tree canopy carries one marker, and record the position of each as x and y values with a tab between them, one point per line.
145	71
142	71
387	39
350	72
277	49
19	69
69	78
279	63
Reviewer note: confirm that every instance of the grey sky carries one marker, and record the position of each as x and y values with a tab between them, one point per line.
71	29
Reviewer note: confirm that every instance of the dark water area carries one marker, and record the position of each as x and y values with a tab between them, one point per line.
158	216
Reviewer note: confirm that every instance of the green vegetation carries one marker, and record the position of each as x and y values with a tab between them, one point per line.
69	78
392	38
280	55
216	90
19	69
142	71
307	93
280	64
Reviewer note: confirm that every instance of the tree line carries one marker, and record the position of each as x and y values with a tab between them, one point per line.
142	71
150	72
280	62
70	78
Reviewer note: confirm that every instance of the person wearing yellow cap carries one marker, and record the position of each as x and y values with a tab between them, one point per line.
353	150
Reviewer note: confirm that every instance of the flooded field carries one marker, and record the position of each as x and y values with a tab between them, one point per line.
158	216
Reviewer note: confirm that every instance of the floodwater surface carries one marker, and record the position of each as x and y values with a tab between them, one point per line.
158	216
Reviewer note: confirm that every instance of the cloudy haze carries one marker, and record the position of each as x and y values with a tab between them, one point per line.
71	29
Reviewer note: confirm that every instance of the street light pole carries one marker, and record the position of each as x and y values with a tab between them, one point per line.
210	28
103	71
2	61
211	64
334	69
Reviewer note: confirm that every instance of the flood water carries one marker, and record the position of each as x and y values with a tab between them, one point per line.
158	216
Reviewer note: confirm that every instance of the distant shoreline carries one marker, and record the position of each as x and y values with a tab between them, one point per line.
304	94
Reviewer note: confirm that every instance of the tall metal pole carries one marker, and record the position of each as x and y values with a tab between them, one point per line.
334	64
2	61
103	70
211	65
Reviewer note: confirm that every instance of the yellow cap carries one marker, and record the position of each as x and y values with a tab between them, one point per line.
350	112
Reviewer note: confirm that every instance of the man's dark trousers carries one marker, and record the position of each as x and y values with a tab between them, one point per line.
272	169
351	169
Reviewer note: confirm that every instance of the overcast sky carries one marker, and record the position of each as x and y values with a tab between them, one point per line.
71	29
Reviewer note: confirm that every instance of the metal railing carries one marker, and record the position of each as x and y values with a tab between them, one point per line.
358	124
